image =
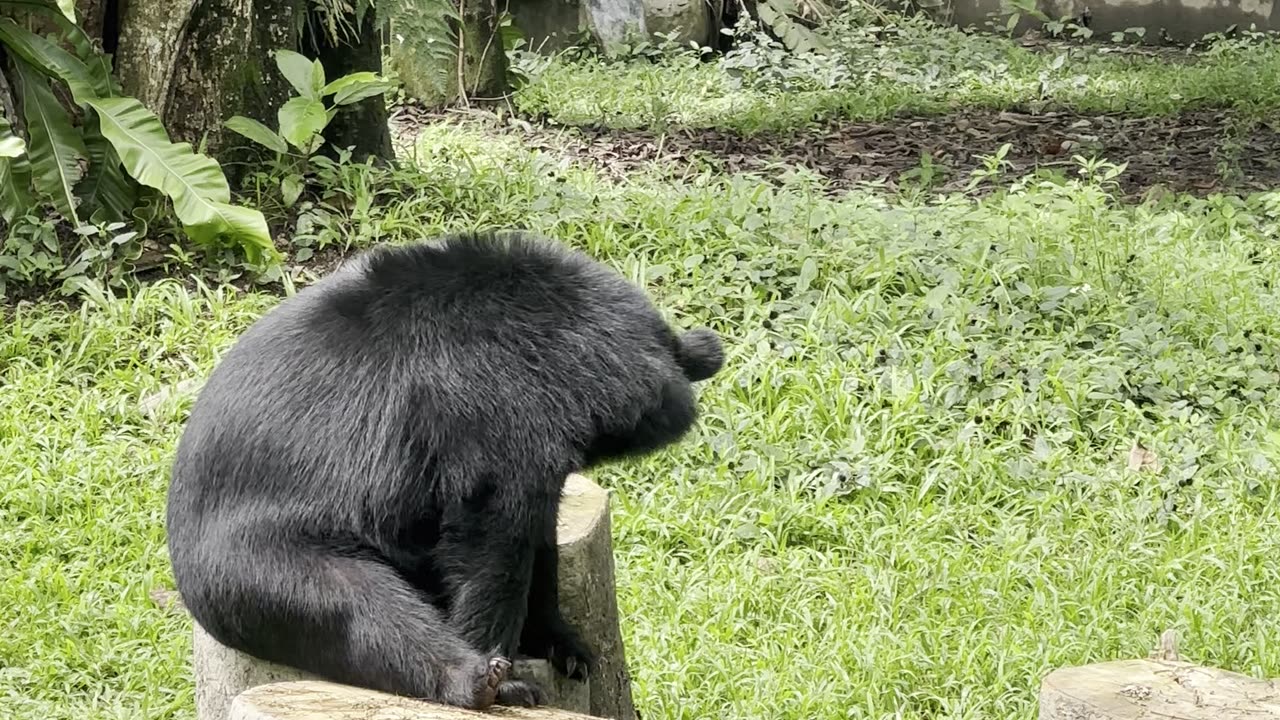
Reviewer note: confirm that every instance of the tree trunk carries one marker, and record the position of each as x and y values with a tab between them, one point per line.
92	15
441	61
362	126
195	63
484	58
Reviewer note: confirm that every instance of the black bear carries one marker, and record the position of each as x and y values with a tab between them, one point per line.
367	485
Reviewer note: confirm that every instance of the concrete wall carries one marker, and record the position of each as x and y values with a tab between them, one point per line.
1181	20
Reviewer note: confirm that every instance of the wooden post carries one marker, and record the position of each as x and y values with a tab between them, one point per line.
316	700
1156	688
587	600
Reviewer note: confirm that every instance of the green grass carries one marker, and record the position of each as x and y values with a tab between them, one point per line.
908	495
910	66
82	502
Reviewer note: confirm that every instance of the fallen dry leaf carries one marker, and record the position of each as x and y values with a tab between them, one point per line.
1142	459
165	599
850	153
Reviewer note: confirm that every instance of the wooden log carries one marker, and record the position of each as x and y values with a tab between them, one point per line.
587	599
318	700
1153	689
223	673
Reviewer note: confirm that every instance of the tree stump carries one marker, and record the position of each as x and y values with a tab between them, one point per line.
1155	688
587	600
316	700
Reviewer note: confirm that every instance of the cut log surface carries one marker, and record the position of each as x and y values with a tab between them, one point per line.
318	700
587	601
1156	690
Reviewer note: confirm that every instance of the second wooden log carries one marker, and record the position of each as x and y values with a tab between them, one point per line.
1151	688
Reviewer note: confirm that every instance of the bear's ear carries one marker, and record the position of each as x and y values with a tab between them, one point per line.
699	354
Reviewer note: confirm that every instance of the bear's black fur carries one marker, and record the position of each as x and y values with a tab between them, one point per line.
367	485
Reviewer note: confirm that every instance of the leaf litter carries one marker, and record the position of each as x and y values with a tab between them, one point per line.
1198	152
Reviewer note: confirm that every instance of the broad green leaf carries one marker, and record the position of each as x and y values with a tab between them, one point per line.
767	14
56	149
298	70
153	160
355	78
290	189
300	120
49	59
317	78
15	175
257	132
11	146
194	182
106	190
356	93
314	145
68	9
15	193
98	63
243	226
356	87
808	273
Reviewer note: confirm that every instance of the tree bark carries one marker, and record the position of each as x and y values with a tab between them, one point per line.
362	126
222	674
477	66
484	58
196	63
91	15
151	36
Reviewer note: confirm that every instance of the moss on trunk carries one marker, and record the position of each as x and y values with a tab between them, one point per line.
424	50
196	63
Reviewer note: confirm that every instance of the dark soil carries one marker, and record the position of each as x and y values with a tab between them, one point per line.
1199	152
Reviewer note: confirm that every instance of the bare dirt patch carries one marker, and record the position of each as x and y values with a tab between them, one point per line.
1200	152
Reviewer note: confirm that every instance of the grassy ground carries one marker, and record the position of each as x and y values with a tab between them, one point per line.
911	494
907	65
958	442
